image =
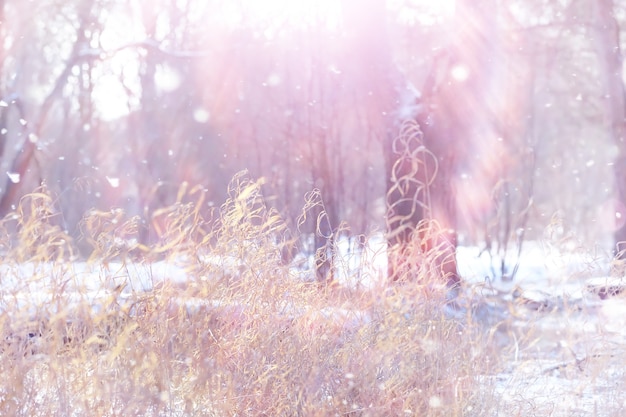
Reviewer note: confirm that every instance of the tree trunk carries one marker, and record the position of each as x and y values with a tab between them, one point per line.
23	160
607	35
419	158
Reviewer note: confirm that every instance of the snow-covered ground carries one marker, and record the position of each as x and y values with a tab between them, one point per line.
37	287
541	273
557	315
568	342
540	267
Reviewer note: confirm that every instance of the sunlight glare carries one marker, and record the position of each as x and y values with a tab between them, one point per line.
424	12
293	12
460	72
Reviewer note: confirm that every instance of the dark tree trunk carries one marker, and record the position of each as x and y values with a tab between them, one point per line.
457	110
419	157
421	165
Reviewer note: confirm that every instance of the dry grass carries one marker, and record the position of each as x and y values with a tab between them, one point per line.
243	336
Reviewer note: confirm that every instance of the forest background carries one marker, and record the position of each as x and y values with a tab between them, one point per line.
116	104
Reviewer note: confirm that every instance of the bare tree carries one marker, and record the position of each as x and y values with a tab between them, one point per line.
22	162
417	178
607	45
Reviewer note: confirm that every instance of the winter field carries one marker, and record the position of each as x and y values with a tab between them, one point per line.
213	322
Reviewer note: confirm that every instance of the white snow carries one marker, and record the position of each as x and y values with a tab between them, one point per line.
360	263
572	361
44	287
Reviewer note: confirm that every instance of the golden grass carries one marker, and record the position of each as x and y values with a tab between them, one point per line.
243	336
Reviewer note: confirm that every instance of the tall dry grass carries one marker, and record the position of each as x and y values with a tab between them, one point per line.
244	335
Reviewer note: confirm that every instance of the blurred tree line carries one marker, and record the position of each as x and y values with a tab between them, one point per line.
518	104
